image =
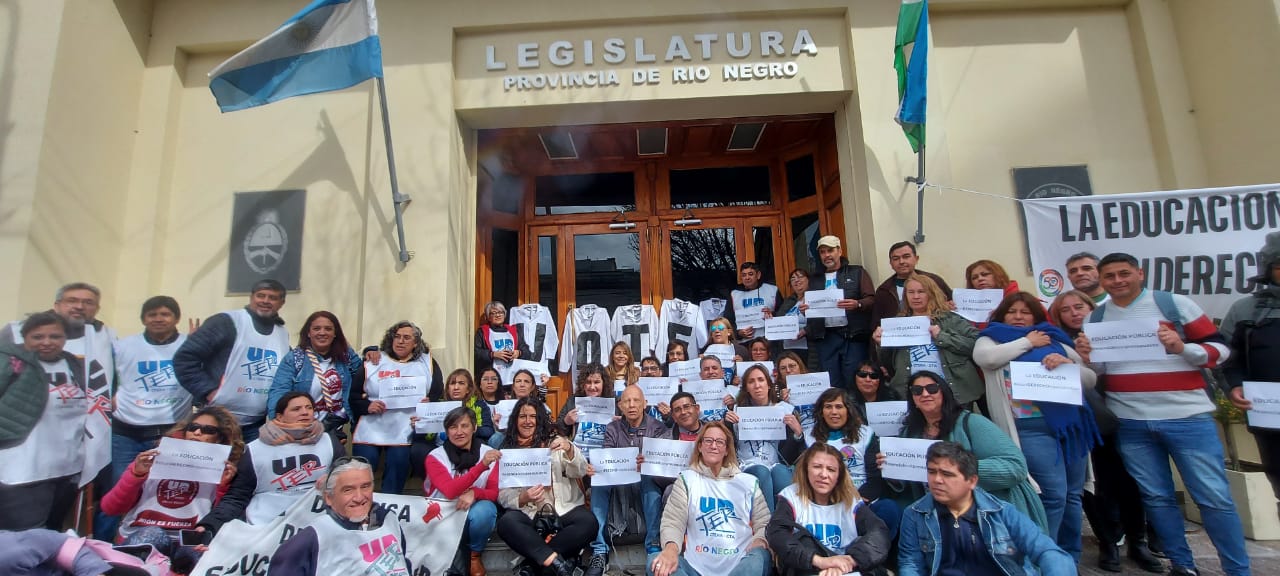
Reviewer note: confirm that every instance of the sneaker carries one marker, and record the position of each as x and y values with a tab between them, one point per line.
1183	571
596	566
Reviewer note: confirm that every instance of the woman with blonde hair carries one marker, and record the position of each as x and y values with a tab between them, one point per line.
950	350
853	537
715	492
622	369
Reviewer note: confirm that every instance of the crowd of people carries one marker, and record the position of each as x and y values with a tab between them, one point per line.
1009	481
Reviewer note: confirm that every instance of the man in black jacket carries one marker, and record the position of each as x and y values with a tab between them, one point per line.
841	342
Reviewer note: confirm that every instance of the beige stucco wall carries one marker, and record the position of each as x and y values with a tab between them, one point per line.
127	130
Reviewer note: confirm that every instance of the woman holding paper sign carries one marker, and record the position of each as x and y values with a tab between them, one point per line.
164	507
1055	437
460	387
593	382
465	470
530	426
722	336
854	538
934	413
677	351
760	458
713	492
950	351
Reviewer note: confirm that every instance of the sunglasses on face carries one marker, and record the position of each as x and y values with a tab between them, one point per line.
206	429
719	327
930	388
865	374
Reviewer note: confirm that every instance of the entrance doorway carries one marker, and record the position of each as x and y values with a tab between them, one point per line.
622	214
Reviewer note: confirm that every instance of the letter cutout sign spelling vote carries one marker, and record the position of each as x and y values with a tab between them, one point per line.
666	458
525	467
904	458
614	466
1199	243
190	460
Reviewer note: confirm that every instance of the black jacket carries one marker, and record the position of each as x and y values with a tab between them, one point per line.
791	449
794	546
202	359
856	284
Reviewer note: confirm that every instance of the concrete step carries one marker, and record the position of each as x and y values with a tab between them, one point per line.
626	560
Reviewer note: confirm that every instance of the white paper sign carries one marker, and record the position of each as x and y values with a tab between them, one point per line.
822	303
904	458
431	416
709	394
524	467
976	305
658	389
1031	381
762	422
782	328
752	317
741	367
1266	404
539	369
595	410
502	412
887	418
614	466
724	352
1125	340
403	392
806	388
905	331
684	370
666	458
190	460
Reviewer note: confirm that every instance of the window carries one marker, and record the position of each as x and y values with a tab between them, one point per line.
548	278
585	193
804	241
801	182
717	187
505	265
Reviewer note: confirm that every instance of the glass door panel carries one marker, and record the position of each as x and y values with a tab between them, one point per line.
606	269
703	262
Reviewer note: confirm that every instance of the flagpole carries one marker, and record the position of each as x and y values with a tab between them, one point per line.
919	180
398	200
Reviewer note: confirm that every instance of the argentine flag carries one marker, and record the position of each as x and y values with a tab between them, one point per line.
329	45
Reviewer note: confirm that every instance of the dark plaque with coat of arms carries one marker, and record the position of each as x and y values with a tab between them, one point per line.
1047	182
266	239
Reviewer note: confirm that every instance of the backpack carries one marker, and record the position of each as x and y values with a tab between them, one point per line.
129	560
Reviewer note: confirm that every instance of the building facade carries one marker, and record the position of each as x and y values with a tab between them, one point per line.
585	152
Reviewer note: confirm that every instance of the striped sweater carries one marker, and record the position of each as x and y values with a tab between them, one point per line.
1172	387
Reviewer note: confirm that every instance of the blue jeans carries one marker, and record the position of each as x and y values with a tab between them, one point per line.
755	563
840	359
888	511
397	470
1061	483
481	517
123	451
1146	446
650	505
772	480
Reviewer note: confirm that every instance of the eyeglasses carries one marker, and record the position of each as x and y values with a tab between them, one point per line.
930	388
206	429
714	442
348	459
865	374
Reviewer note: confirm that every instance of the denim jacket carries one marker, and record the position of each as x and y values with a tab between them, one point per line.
296	373
1014	541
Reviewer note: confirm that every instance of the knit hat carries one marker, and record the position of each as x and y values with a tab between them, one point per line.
1268	258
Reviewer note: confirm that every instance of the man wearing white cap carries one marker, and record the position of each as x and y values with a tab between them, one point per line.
841	341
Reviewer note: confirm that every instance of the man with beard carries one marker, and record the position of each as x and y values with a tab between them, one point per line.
351	537
232	358
1082	272
842	341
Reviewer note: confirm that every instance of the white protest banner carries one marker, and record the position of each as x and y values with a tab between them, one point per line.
524	467
781	328
905	331
432	530
887	418
684	370
658	389
762	422
904	458
538	369
614	466
752	317
502	412
431	416
976	305
403	392
741	367
709	394
806	388
190	460
1266	404
822	303
1199	243
666	458
1125	340
1032	381
595	410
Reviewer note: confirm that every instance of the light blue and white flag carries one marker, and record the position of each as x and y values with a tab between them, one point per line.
329	45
